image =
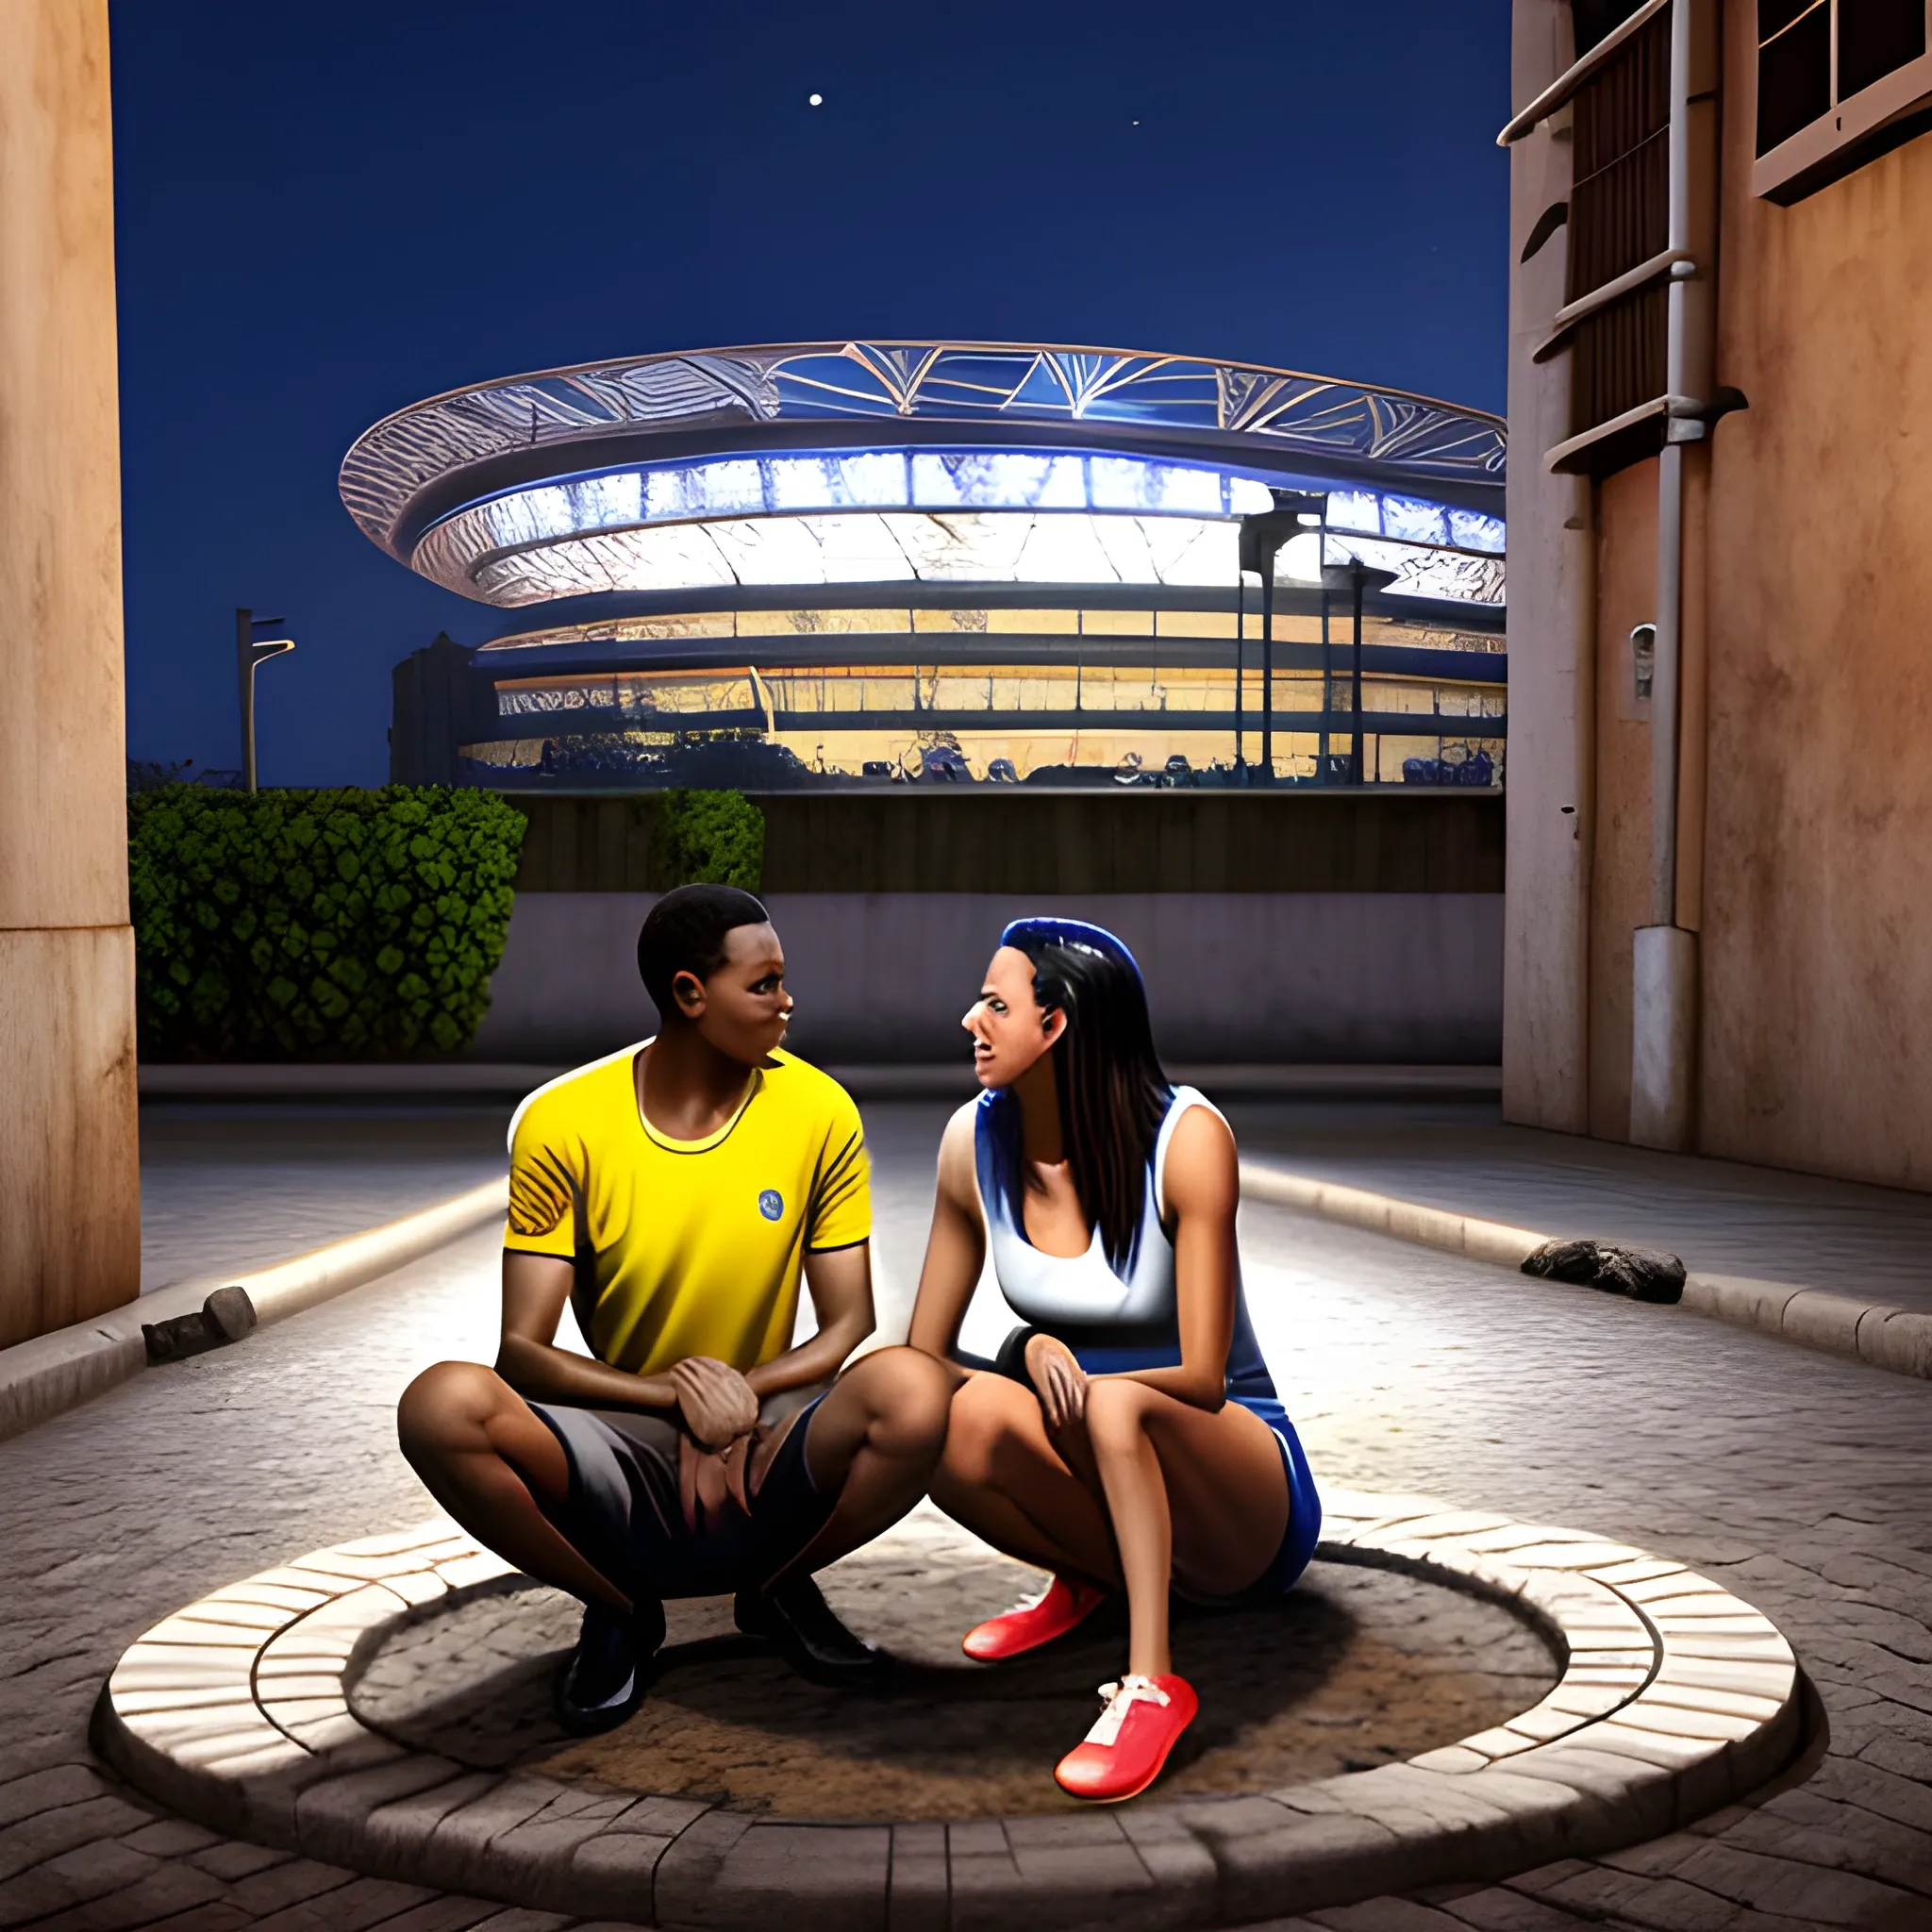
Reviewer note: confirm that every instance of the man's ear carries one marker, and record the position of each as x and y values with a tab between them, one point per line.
688	989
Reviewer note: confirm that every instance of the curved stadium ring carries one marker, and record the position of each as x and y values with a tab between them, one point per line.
879	490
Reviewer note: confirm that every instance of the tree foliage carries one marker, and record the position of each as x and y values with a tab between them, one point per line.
709	838
317	924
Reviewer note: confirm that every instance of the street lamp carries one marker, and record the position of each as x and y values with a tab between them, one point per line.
1262	536
1356	578
249	653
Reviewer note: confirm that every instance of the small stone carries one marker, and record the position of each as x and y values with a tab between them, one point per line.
1645	1275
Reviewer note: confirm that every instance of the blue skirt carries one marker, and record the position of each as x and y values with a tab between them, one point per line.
1304	1501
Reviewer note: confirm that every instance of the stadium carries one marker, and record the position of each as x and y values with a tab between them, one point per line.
841	563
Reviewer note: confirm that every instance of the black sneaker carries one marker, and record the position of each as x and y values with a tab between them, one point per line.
608	1672
794	1615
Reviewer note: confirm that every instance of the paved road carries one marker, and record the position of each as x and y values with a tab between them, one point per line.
227	1185
1804	1482
1873	1244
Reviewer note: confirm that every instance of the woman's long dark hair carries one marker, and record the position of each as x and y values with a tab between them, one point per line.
1113	1095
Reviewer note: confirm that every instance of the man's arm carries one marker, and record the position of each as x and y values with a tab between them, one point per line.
840	1283
536	1290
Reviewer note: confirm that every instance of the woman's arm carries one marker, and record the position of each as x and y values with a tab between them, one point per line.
1203	1191
956	1249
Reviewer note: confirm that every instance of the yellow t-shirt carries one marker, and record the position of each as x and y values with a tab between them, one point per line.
687	1247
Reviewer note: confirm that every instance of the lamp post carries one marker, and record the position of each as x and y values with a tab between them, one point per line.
1356	578
1240	621
1262	536
249	653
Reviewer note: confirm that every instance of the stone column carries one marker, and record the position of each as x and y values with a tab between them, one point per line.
1551	786
69	1182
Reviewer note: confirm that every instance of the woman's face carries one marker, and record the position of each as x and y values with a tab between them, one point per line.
1009	1032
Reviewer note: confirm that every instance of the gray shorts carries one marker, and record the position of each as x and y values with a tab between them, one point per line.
624	1516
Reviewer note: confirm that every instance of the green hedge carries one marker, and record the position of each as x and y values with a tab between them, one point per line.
317	924
708	837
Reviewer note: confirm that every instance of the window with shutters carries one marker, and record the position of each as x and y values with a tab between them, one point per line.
1839	82
1595	20
1619	222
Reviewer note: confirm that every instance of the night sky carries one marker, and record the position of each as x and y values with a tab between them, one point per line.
325	212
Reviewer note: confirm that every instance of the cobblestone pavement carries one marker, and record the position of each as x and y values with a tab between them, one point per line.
1723	1218
1359	1667
1798	1480
227	1186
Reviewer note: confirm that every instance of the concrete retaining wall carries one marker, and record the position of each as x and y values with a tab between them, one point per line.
1333	978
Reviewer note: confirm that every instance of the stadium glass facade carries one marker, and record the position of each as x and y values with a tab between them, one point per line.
944	563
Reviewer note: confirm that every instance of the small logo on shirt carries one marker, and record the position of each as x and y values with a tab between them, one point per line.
772	1204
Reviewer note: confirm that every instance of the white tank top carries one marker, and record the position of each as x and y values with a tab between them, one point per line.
1053	1289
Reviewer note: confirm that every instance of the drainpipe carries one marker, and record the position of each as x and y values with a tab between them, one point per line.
1664	996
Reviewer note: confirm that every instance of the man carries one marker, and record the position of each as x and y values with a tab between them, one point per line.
674	1194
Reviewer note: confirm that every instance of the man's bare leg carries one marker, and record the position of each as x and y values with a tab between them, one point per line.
875	1440
874	1443
483	1454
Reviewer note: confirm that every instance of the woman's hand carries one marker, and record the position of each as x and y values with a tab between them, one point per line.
715	1400
1057	1379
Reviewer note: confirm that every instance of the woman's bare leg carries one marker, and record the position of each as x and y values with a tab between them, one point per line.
1160	1461
481	1453
1137	1502
1004	1479
1101	1498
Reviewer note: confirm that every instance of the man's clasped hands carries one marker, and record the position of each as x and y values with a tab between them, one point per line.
720	1436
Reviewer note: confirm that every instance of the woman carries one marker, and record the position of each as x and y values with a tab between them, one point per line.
1129	1436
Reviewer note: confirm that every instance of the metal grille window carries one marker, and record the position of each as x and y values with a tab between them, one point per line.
1839	82
1877	37
1636	322
1619	220
1594	20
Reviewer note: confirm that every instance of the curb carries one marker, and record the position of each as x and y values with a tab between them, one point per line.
1884	1337
341	1080
505	1079
1675	1699
51	1372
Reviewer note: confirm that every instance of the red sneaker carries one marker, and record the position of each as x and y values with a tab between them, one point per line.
1065	1605
1123	1753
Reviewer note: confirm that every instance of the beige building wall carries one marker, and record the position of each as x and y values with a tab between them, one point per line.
1619	881
70	1236
1805	823
1818	874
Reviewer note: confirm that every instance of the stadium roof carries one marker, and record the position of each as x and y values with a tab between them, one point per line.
834	462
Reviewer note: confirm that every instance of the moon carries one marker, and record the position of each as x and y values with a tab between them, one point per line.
815	100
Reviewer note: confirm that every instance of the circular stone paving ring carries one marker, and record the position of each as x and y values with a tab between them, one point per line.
1675	1699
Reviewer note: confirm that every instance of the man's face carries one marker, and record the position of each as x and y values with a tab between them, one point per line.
743	1008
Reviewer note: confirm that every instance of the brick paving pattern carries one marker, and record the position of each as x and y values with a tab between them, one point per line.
1363	1667
1800	1481
1722	1218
